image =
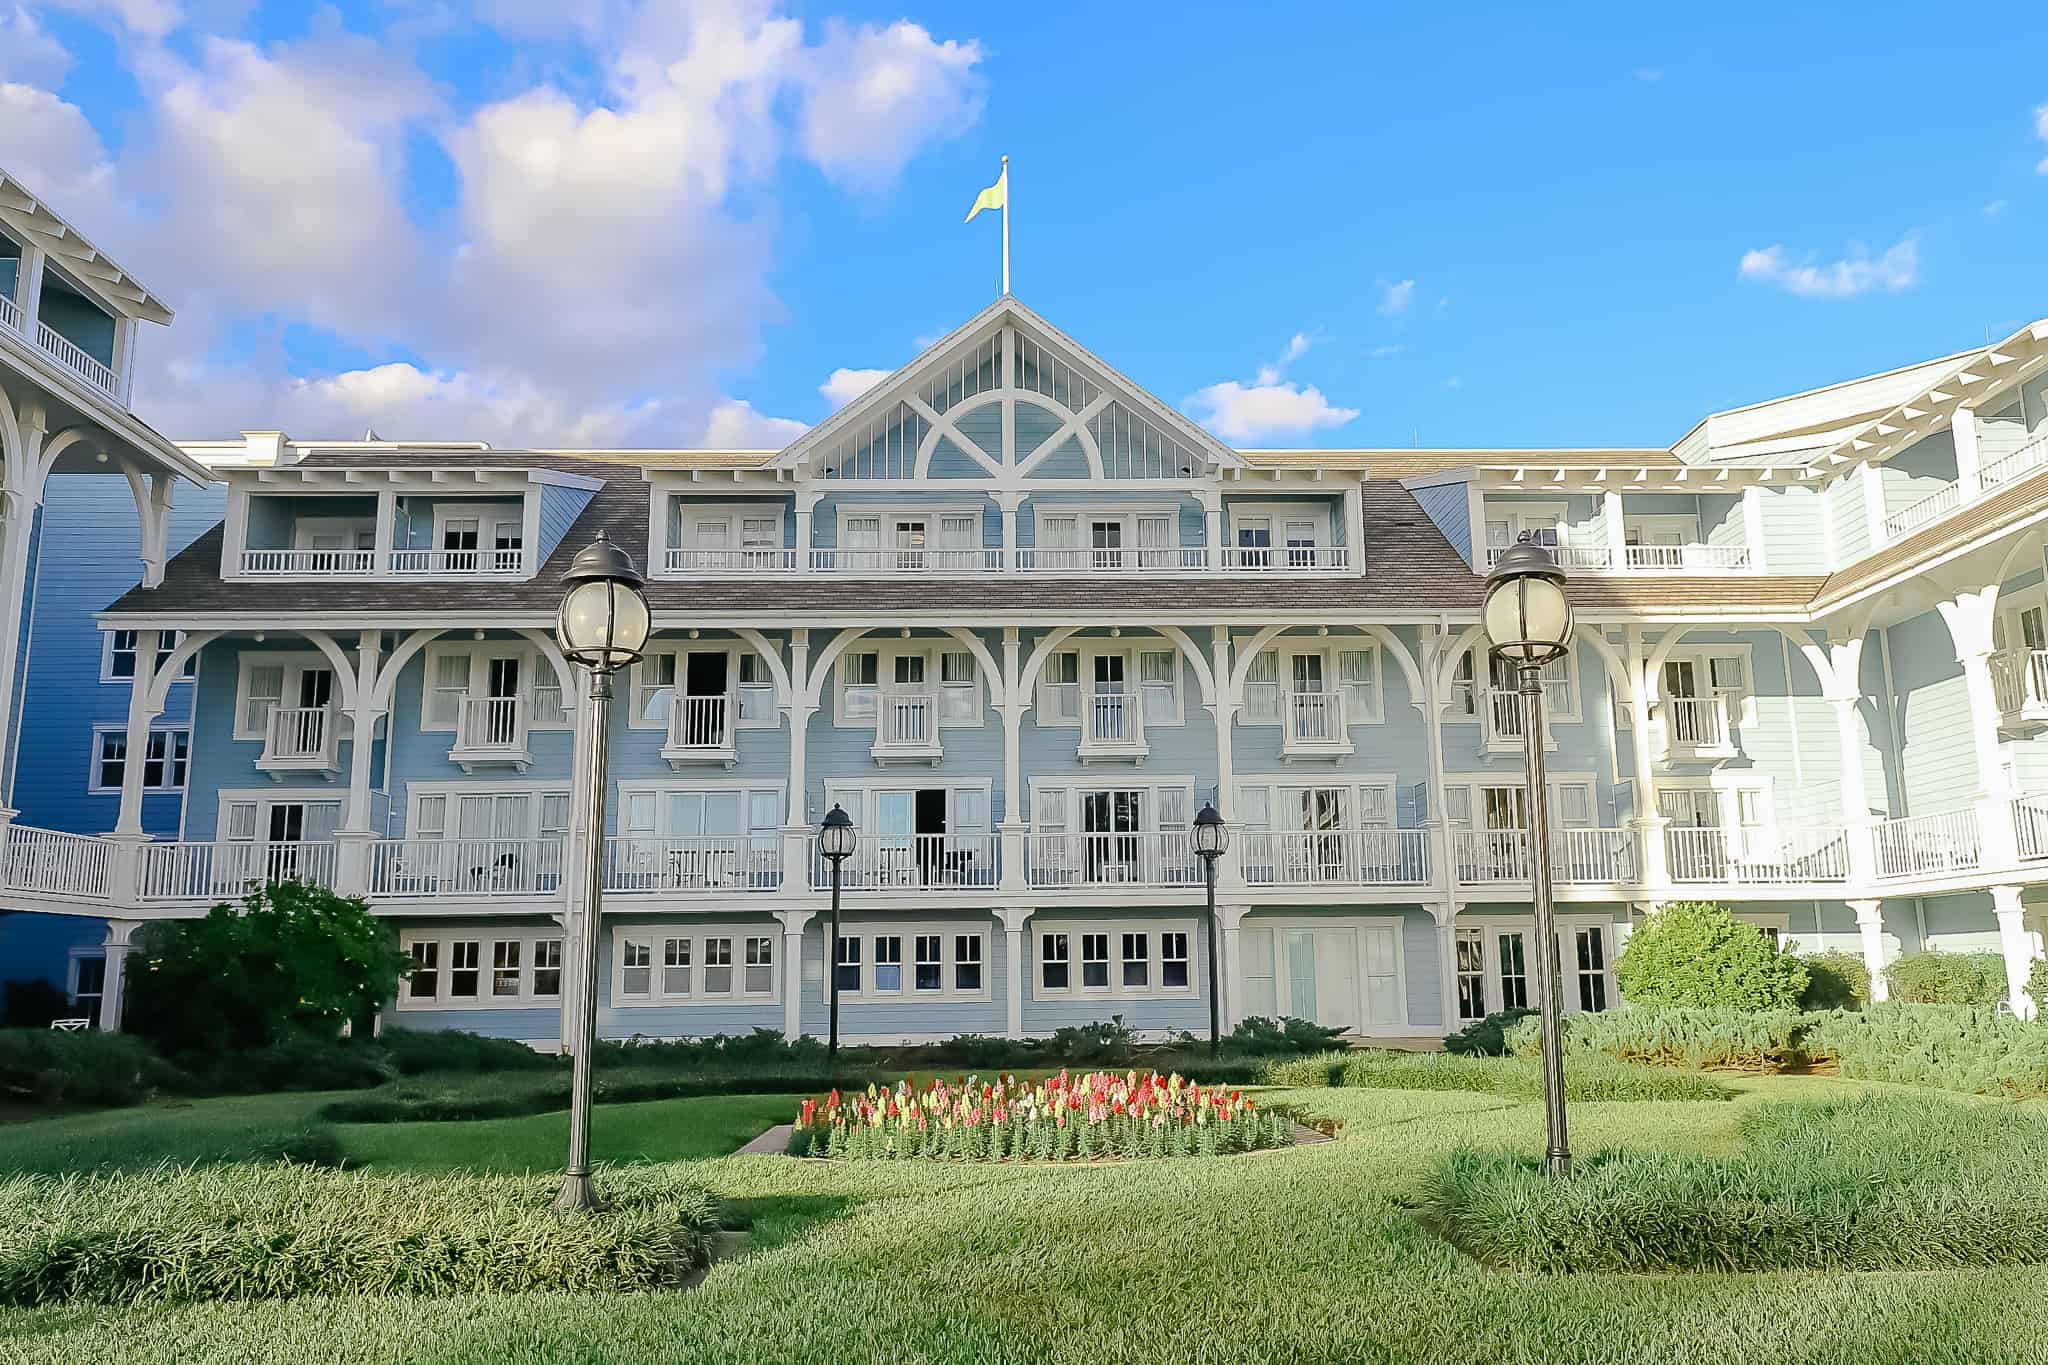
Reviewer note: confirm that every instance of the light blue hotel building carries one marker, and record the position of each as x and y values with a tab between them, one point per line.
1021	618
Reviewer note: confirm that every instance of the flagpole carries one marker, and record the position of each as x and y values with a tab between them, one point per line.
1006	225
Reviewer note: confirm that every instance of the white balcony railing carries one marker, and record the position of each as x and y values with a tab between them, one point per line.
1347	857
230	869
934	862
1695	723
1933	507
2020	463
52	863
72	358
299	736
699	727
885	563
1778	856
2030	825
460	563
1567	556
491	725
1160	858
1595	856
1688	558
308	563
1112	725
709	862
405	869
2019	678
907	723
1287	558
1138	560
10	313
724	561
1314	722
1930	845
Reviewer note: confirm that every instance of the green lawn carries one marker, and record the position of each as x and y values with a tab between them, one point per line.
1312	1255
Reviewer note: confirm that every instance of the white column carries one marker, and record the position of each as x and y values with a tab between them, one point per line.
1016	813
1446	916
1873	503
1354	527
1230	924
1442	867
1007	503
1753	526
1842	687
1617	532
17	526
31	289
793	922
796	827
1870	924
1649	825
386	536
1969	461
1970	626
806	507
2016	946
1224	712
120	939
352	840
141	712
1014	919
1212	526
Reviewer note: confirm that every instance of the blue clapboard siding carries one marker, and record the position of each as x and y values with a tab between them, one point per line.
37	947
559	508
1449	506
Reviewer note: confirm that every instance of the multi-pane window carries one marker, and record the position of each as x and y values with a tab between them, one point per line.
123	646
1094	961
1514	973
861	674
425	981
967	962
1592	954
1158	685
675	967
1173	960
956	686
718	966
547	966
930	969
1137	960
163	763
463	971
636	972
505	967
1471	963
1052	954
760	968
889	963
1060	702
846	964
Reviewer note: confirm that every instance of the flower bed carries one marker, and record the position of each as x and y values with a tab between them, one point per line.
1063	1118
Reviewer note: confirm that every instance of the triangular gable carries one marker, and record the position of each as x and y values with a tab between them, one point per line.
1068	409
1933	408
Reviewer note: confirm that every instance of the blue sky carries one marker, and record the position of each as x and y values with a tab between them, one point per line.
610	221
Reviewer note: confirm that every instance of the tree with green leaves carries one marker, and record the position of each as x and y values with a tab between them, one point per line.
289	960
1696	955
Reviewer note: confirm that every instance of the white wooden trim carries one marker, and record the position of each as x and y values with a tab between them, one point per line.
867	931
1043	924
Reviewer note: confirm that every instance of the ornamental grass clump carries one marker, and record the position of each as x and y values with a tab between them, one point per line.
1090	1117
273	1232
1741	1040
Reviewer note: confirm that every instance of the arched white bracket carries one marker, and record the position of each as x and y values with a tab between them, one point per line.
387	676
1411	670
1242	668
344	671
998	687
174	664
777	670
53	446
1076	426
552	652
1604	649
1204	675
1027	682
1447	668
821	666
941	424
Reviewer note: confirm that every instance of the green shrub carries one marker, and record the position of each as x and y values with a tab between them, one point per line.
1587	1077
1746	1040
1105	1040
33	1003
764	1048
46	1068
1938	978
270	1232
1879	1183
292	1063
2037	985
1258	1037
289	959
1317	1072
1696	955
1835	980
1486	1037
1969	1048
418	1051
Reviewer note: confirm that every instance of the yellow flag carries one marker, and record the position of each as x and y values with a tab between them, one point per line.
994	197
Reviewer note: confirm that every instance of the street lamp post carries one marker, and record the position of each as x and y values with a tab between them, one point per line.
835	841
602	626
1529	623
1212	837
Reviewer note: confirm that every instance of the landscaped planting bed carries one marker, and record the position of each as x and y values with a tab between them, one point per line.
269	1232
1063	1118
1588	1077
1880	1183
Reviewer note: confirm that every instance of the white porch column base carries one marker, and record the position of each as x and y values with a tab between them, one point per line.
1870	923
352	861
1014	919
1229	921
793	923
1446	917
2016	946
120	939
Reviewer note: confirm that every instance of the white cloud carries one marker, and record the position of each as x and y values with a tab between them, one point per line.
734	425
2041	131
1857	273
148	18
1258	412
1297	346
874	95
1994	208
1649	75
1395	298
846	385
51	147
29	54
1382	352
